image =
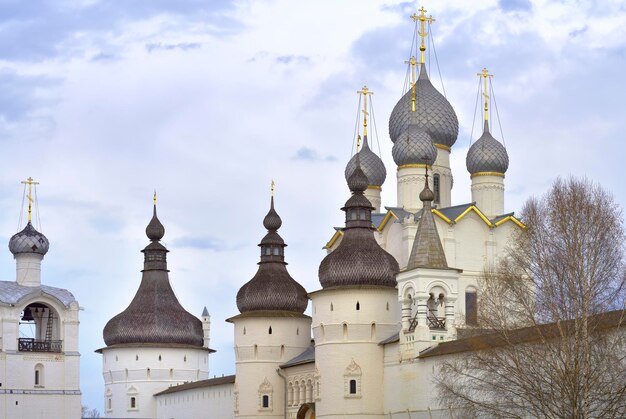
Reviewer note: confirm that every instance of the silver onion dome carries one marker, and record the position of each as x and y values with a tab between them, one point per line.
434	113
414	146
487	155
372	166
29	240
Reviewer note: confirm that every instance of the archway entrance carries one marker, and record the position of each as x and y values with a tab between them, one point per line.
306	411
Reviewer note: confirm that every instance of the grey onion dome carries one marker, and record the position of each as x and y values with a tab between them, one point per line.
434	113
154	316
29	240
272	220
414	146
371	164
155	230
487	155
358	260
272	288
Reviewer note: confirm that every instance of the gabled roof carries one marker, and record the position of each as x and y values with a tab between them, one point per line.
12	293
454	214
501	219
211	382
306	357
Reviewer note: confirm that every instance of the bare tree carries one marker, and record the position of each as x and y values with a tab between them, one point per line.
554	310
86	412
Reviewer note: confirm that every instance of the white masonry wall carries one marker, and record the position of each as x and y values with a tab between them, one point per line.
215	402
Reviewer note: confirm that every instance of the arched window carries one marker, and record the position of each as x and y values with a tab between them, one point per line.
269	331
352	386
358	305
471	307
352	381
39	375
265	395
436	187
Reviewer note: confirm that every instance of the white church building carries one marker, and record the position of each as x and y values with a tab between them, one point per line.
397	287
39	358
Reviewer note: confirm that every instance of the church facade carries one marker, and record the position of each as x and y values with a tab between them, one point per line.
397	282
39	357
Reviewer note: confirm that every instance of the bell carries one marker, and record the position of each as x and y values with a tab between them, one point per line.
28	315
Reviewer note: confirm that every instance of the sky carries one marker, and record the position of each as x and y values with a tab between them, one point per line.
208	101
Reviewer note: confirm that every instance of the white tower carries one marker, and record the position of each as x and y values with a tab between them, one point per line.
355	309
154	343
270	330
428	288
39	362
487	162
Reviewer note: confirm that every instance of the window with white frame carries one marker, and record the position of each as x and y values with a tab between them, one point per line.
265	395
39	375
133	400
352	380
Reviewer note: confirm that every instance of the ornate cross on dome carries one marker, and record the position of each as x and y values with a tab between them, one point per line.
154	198
30	182
422	32
272	187
485	75
364	91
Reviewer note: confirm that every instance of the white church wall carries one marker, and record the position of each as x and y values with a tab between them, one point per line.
140	372
215	402
262	344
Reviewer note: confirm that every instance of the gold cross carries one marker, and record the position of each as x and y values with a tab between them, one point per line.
413	63
30	184
273	185
485	75
365	91
154	198
422	32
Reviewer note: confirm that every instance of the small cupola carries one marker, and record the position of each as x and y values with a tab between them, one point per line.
359	259
272	288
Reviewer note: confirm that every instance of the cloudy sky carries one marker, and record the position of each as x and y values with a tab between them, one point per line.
207	101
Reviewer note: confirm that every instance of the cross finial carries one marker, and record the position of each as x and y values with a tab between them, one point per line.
272	187
422	32
30	182
485	75
154	198
413	63
364	91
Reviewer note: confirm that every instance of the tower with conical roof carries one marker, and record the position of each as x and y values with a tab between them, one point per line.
423	127
270	329
427	288
487	161
154	343
371	164
354	310
40	374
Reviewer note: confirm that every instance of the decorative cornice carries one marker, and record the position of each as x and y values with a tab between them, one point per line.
378	188
443	147
414	165
486	174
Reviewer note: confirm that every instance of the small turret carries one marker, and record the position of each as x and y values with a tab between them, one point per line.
371	164
487	161
29	247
